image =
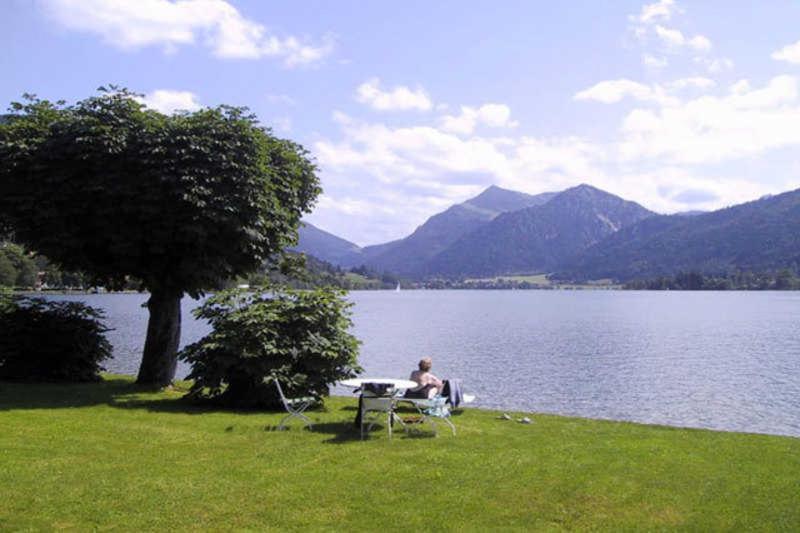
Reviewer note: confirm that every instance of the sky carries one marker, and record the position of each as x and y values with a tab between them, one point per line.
409	107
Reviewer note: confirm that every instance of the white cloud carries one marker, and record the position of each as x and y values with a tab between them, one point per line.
397	153
661	10
698	82
711	129
701	43
789	53
650	28
670	36
400	98
741	87
715	65
169	101
213	23
652	61
676	39
491	115
613	91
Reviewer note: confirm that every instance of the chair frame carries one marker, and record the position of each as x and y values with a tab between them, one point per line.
295	407
421	405
391	416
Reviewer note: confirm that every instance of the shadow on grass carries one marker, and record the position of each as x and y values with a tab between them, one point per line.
118	392
124	393
340	432
346	431
20	395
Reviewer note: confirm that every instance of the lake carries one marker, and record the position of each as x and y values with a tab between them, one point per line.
720	360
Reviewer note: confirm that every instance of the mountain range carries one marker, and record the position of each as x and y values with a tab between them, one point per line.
539	238
758	236
404	256
411	255
328	247
581	233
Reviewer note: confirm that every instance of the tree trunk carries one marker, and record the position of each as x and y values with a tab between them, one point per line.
160	358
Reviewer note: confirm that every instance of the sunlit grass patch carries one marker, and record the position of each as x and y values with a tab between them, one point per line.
114	455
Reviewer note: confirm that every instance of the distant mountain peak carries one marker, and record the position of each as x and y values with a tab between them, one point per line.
501	200
326	246
408	256
585	188
589	195
537	238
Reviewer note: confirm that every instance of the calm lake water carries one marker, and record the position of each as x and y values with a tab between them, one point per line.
721	360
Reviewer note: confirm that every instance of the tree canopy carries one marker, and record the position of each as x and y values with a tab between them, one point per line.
181	202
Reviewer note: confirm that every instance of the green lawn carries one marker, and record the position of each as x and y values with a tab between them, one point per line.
111	456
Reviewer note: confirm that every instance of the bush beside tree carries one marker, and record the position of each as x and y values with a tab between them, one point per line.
300	338
51	341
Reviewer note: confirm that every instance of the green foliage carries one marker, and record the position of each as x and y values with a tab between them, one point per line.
113	189
17	268
116	191
51	341
298	337
8	274
6	299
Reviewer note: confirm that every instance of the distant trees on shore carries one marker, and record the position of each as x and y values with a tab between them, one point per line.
694	281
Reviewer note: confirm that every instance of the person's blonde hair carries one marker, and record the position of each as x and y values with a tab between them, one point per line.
425	364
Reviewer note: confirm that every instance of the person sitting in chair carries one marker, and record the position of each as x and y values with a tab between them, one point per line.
428	384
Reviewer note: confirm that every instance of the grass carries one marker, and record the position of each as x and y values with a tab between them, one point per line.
114	456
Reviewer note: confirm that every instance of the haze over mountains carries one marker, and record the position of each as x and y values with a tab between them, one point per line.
581	233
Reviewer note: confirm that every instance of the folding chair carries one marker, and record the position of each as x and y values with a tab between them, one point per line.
377	401
431	410
294	406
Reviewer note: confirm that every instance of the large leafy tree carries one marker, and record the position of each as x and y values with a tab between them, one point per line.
180	202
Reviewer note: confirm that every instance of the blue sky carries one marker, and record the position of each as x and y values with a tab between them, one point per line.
410	107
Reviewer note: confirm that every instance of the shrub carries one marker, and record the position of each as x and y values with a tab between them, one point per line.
51	341
300	338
